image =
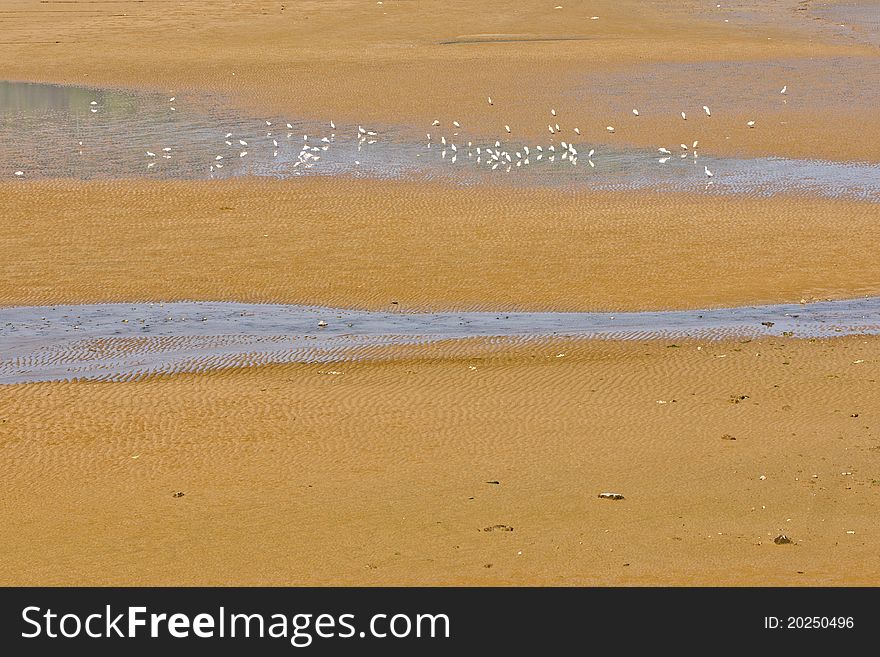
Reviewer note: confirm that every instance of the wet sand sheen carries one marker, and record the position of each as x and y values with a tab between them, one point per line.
114	134
128	341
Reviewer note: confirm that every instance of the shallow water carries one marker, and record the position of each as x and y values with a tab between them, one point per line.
123	341
856	20
51	131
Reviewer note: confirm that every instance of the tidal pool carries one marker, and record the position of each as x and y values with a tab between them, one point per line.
53	131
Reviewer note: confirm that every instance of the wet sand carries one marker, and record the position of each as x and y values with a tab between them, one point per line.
376	472
407	63
380	473
128	342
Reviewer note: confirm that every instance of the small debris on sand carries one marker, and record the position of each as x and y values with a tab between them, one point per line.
611	496
782	539
498	528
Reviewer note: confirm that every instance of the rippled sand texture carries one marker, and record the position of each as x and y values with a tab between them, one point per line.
382	474
125	342
344	243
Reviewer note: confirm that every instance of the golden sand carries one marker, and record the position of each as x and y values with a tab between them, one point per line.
378	475
368	243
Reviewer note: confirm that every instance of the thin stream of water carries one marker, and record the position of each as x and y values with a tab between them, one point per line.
118	341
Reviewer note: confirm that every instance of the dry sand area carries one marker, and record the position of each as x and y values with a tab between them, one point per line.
383	473
367	243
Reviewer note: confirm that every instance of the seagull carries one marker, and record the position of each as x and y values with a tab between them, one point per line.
242	142
507	127
684	116
695	144
550	128
149	154
610	128
456	124
706	110
635	112
784	89
19	173
683	147
665	151
553	112
751	124
489	99
435	123
577	131
663	160
709	174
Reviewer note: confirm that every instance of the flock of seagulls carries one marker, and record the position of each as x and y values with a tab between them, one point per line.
499	156
495	154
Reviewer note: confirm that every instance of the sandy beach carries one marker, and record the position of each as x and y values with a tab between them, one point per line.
383	473
463	462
